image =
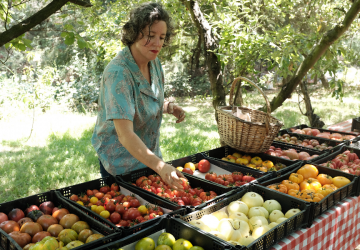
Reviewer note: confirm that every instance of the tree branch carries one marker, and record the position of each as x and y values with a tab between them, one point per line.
327	40
81	3
37	18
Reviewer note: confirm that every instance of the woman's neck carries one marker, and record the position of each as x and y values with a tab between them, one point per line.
140	60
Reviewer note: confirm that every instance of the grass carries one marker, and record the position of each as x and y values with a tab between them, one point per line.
59	152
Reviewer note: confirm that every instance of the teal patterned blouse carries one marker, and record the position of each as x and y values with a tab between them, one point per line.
126	94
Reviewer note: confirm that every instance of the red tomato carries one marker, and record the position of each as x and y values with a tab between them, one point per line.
89	192
73	197
134	203
99	195
120	208
186	200
203	166
211	176
16	214
133	213
104	189
110	206
115	187
219	181
237	176
185	183
188	170
198	190
152	216
123	223
115	217
247	178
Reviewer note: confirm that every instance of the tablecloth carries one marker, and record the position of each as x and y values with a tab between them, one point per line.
336	229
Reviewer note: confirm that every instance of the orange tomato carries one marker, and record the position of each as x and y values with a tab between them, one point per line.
340	181
325	191
310	183
324	179
290	185
294	193
330	186
308	171
279	187
297	178
248	157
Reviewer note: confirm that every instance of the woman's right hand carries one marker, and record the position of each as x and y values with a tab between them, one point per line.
171	176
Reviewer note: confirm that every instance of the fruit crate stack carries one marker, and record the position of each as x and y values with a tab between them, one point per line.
272	163
315	177
115	211
233	218
306	141
60	219
240	175
210	192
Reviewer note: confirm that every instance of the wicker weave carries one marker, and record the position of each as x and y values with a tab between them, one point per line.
253	136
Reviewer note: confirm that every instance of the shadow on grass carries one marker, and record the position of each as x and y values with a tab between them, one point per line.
63	162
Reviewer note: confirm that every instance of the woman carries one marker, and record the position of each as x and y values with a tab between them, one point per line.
131	100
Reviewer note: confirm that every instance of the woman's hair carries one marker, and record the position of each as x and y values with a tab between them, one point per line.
140	17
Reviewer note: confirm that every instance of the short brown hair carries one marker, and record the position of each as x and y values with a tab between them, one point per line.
140	17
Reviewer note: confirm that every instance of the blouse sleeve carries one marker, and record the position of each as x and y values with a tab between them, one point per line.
119	95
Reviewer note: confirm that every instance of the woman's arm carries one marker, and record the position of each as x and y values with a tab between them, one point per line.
138	149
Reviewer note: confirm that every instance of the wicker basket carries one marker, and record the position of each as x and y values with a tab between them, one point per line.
253	136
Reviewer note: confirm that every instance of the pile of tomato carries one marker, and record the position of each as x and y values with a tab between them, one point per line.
229	180
310	185
190	196
121	210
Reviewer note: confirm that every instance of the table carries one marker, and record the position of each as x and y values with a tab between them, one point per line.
336	229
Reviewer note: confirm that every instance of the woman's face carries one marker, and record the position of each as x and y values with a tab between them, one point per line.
147	47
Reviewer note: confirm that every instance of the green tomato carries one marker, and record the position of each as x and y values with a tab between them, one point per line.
145	244
166	239
182	244
196	248
163	247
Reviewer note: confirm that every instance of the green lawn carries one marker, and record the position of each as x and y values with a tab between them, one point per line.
59	152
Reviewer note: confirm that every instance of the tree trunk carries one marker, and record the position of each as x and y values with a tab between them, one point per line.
314	119
197	56
324	82
329	38
29	23
210	46
238	101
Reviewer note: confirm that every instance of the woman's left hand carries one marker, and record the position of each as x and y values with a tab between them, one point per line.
176	111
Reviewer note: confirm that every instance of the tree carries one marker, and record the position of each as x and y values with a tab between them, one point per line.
211	48
14	35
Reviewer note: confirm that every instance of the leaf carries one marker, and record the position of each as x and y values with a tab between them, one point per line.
81	22
69	40
68	27
64	34
21	46
7	45
63	16
81	43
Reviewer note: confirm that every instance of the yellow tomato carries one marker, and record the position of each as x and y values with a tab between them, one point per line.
340	181
93	200
190	165
142	209
237	155
93	208
256	160
105	214
99	209
180	169
242	161
80	202
268	164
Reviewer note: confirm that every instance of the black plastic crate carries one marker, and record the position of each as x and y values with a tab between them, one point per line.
277	233
129	178
355	125
178	228
228	166
336	145
224	151
325	130
66	192
7	243
333	156
318	208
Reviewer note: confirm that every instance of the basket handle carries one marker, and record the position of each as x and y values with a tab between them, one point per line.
267	120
